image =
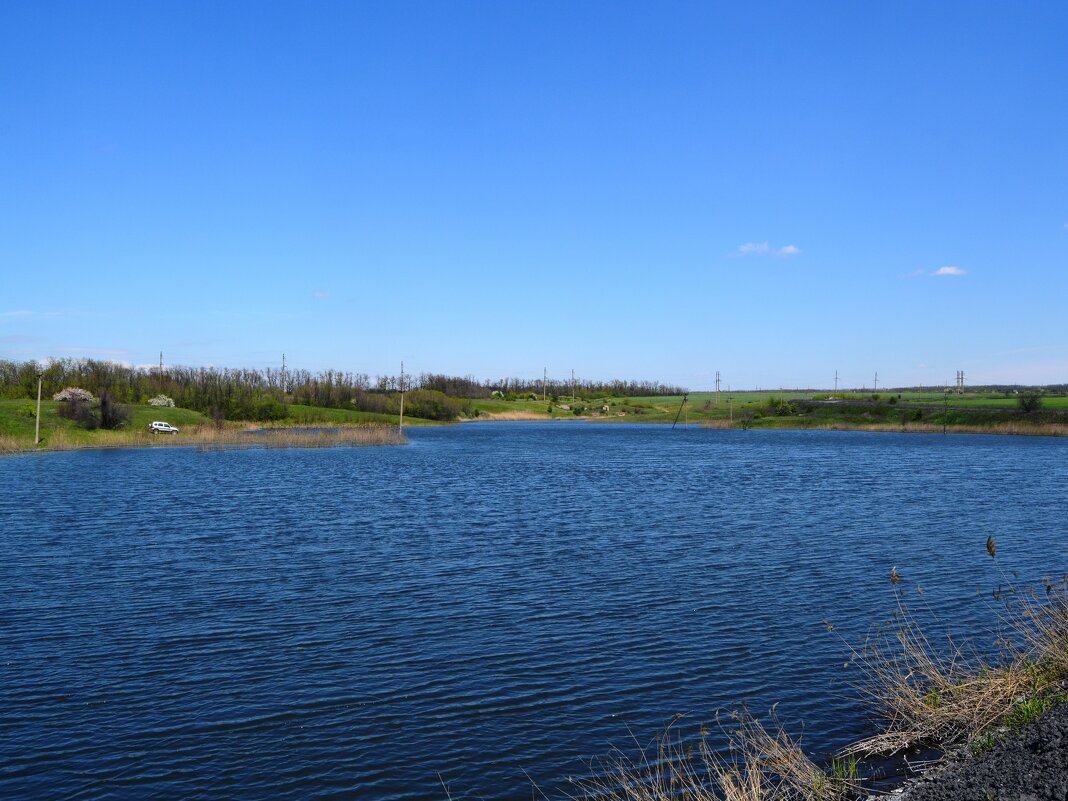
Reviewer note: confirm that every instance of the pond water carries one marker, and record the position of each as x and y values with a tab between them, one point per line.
489	606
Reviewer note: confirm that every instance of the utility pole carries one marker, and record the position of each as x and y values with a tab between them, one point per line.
835	382
400	421
876	388
717	388
572	385
161	372
37	432
283	374
544	383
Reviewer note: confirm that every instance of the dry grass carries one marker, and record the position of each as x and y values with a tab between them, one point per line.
928	693
518	415
1012	428
725	423
1019	428
10	445
207	436
762	765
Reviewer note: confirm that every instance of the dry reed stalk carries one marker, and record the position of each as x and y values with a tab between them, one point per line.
765	765
11	445
927	694
717	424
510	416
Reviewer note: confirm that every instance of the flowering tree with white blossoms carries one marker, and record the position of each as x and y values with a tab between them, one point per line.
74	394
161	400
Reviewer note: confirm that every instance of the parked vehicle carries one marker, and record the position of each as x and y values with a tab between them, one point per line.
159	427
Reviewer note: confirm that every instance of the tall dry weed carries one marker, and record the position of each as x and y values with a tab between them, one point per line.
762	763
942	692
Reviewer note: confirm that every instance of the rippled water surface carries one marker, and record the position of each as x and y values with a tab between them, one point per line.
485	607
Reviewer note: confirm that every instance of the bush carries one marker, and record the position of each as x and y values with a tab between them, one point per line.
75	394
161	400
1030	401
112	415
80	412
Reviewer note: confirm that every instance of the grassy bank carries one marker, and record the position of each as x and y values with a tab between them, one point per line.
17	421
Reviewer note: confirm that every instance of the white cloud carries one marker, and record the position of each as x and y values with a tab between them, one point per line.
764	249
913	274
950	271
320	295
16	313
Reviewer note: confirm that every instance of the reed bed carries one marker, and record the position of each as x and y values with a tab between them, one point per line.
517	415
207	436
762	763
1016	428
928	693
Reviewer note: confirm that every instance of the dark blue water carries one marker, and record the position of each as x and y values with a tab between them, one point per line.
491	603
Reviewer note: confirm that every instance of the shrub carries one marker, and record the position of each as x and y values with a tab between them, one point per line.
75	394
1030	401
111	414
80	412
161	400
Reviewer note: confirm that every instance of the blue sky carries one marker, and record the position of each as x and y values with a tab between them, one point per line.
653	190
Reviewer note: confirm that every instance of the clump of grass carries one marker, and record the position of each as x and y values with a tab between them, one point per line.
10	445
943	695
762	764
929	694
983	743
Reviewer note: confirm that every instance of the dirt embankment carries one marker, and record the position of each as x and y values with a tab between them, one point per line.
1030	766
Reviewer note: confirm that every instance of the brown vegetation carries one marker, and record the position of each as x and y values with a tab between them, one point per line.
516	415
1018	428
209	436
763	764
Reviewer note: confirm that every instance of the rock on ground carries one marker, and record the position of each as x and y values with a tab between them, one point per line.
1031	766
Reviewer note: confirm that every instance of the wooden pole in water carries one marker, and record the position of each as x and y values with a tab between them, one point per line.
684	397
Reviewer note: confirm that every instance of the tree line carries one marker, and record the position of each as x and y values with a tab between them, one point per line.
248	394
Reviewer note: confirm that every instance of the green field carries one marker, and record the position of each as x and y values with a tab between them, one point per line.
315	415
17	419
801	409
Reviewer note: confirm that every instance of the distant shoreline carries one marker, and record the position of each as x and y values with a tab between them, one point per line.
1023	429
